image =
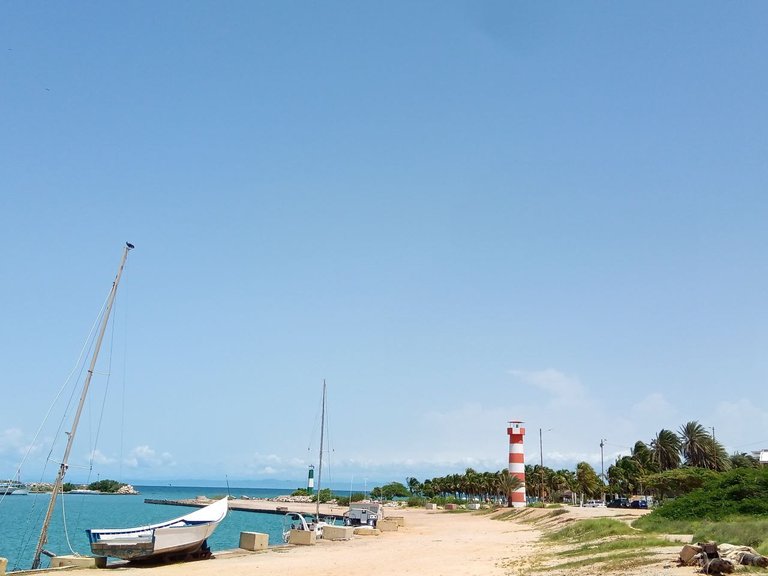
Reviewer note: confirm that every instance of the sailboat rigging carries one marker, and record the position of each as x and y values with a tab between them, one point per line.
295	520
57	486
320	463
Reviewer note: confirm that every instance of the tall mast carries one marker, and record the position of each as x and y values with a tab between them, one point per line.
320	467
71	435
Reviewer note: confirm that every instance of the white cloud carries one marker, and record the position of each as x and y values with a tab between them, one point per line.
654	408
98	457
12	440
562	390
146	457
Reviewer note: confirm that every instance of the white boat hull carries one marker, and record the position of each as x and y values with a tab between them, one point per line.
186	535
13	489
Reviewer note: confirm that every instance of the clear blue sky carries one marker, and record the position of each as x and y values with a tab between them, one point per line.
457	213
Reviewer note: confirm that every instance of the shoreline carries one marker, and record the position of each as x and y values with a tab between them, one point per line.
431	543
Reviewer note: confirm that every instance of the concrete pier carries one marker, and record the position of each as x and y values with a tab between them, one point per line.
262	506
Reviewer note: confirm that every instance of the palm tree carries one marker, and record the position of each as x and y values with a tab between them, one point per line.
588	482
414	486
693	443
643	456
665	450
508	483
715	456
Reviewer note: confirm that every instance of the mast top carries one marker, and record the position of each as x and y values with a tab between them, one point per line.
130	246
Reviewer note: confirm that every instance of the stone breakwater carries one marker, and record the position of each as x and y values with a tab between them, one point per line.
281	499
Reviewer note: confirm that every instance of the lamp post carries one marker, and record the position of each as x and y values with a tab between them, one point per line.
541	468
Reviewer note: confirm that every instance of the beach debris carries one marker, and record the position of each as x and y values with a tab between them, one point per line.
720	559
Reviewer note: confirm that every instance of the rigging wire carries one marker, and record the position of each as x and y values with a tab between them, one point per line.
95	443
34	515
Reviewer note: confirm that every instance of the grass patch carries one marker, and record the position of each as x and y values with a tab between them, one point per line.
605	544
619	544
739	530
615	563
511	514
592	529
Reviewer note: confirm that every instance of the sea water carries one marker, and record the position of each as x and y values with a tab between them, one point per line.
21	518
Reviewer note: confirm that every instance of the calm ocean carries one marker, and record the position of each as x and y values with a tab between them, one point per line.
21	518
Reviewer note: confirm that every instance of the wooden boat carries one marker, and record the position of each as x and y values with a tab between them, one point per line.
180	538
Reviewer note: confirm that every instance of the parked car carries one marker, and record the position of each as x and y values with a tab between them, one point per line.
593	503
638	504
618	503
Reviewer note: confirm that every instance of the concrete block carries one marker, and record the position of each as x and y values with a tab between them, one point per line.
431	506
3	566
399	519
338	532
302	537
450	506
473	506
387	525
79	561
254	541
367	532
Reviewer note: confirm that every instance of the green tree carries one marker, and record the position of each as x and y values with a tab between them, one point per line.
693	442
390	491
508	483
674	483
109	486
744	460
665	450
588	483
414	486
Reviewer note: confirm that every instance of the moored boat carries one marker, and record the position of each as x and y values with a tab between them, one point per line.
181	537
297	521
13	488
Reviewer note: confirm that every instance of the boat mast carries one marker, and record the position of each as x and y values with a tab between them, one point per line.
71	435
320	467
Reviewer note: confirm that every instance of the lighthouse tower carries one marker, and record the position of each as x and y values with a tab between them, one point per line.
311	480
516	432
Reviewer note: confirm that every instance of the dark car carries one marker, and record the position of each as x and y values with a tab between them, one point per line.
638	504
618	503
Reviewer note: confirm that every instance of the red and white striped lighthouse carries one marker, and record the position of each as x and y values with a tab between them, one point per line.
517	460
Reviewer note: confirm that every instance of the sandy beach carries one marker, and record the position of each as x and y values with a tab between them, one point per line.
432	543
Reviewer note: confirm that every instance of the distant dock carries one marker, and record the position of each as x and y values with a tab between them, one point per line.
261	506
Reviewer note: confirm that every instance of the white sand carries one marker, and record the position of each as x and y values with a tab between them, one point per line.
432	543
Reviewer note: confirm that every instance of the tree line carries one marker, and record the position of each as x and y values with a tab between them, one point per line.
670	464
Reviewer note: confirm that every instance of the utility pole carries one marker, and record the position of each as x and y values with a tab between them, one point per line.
541	468
602	465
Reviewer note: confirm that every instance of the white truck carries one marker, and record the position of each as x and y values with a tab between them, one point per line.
363	514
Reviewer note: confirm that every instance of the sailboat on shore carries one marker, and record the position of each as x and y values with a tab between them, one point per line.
59	483
177	539
180	538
